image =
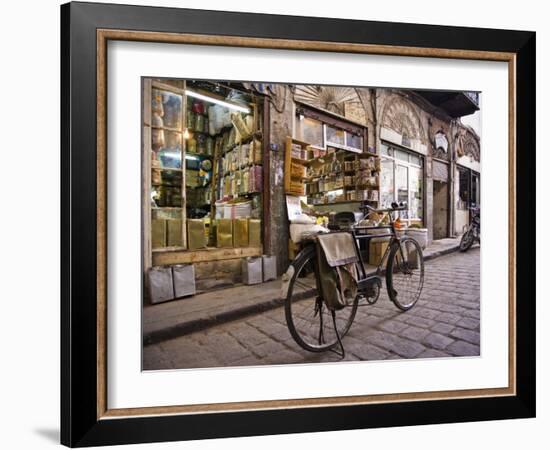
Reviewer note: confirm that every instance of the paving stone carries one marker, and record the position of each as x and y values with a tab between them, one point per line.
364	320
400	346
446	307
461	348
247	335
433	353
450	318
468	304
442	328
469	323
155	359
473	313
248	361
466	335
420	322
285	356
269	347
392	326
415	333
365	351
425	312
437	341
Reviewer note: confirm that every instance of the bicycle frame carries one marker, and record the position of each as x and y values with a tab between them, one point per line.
364	279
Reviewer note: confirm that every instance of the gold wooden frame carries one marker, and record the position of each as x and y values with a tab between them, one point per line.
104	35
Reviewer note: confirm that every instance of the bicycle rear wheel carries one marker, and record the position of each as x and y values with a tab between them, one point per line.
308	318
405	273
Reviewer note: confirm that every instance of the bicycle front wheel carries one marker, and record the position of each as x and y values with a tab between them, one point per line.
308	318
467	240
405	273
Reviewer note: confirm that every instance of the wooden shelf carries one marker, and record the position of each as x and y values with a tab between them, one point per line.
166	168
291	180
339	202
168	256
173	130
368	154
302	143
167	185
199	154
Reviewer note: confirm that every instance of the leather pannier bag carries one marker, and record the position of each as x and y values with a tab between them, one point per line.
337	259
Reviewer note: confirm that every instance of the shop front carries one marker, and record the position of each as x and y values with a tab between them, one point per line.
203	173
222	162
468	196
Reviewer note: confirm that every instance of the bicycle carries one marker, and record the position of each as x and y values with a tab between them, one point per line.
316	328
473	231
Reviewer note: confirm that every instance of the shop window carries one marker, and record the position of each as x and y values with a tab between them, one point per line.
403	156
354	141
166	107
415	205
386	183
402	181
323	131
311	131
415	160
385	150
166	169
206	167
335	137
343	139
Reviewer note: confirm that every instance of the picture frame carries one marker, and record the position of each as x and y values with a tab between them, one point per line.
86	419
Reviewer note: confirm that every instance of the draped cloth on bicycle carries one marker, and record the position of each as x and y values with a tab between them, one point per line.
336	259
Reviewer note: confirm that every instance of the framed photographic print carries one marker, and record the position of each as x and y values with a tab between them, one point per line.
272	224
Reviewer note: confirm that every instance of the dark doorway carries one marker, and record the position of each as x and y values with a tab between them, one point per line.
440	209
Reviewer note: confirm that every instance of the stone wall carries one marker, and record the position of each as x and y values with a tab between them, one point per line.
281	113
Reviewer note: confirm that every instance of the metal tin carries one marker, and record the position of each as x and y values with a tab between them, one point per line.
161	286
269	267
184	280
252	270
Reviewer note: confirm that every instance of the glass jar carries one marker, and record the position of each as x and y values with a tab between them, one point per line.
192	145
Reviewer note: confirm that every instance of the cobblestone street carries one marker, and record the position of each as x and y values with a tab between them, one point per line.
445	322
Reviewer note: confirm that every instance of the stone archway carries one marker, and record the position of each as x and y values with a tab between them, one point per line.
467	144
400	116
343	101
